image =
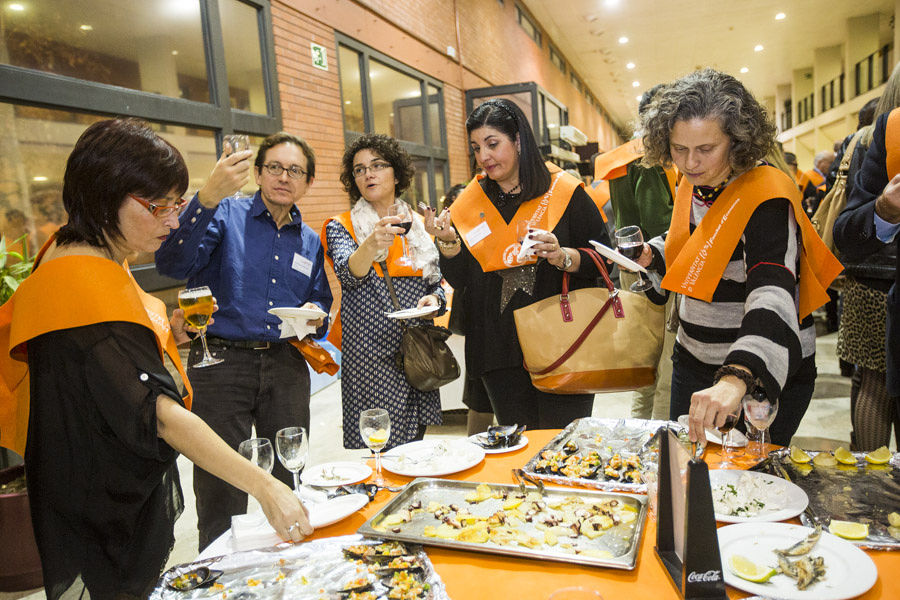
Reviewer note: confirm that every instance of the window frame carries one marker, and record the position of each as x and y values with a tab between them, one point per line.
557	58
522	15
32	87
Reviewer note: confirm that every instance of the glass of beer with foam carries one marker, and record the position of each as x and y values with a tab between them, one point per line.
197	304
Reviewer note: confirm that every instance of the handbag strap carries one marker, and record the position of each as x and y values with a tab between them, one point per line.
390	285
613	301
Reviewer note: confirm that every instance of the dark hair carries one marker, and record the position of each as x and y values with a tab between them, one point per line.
112	159
286	138
507	118
790	158
866	114
709	94
387	148
452	194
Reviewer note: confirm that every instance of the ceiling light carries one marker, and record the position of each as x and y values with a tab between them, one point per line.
780	16
86	27
174	52
629	66
758	48
16	7
39	178
744	69
347	101
635	84
623	40
611	3
638	98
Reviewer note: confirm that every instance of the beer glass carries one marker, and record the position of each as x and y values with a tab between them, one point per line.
375	429
238	143
197	304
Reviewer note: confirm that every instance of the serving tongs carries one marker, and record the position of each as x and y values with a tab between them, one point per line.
521	478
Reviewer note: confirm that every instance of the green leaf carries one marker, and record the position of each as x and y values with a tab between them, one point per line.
10	282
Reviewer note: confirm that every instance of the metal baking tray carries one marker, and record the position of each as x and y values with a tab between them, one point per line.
306	571
621	542
626	437
864	493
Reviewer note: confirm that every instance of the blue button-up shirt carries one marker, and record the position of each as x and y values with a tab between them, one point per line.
249	264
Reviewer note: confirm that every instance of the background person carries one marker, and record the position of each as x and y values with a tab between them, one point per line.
375	171
107	421
482	258
254	253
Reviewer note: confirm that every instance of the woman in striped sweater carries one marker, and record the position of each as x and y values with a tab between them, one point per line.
741	251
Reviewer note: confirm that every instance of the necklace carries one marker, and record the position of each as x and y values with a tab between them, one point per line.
504	198
707	194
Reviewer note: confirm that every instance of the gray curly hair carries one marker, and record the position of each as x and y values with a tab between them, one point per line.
709	94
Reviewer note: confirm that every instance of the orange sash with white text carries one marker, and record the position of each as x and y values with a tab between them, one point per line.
68	292
490	239
696	261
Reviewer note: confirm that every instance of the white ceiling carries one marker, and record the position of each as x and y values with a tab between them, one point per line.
670	38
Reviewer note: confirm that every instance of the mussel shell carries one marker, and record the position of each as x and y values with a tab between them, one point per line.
184	579
356	588
387	578
363	551
503	436
570	447
413	563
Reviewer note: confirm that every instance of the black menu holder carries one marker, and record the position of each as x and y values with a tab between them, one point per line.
686	540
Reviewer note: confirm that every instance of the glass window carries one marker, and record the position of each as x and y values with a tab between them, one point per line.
553	118
243	56
557	59
396	103
434	116
153	46
351	90
528	25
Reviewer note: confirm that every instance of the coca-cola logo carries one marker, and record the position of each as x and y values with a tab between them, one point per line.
711	575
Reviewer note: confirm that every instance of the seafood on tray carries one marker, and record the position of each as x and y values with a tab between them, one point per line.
589	465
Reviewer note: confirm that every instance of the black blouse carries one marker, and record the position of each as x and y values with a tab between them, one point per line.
103	488
491	339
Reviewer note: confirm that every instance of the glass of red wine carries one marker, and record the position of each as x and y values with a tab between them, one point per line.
727	431
401	209
630	244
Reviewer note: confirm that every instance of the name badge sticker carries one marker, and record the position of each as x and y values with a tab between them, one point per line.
302	264
478	233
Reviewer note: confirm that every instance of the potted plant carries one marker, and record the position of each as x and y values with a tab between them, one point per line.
20	565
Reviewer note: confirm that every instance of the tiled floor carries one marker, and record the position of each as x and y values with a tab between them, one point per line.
826	425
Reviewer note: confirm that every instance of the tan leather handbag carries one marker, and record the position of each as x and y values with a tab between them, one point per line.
592	339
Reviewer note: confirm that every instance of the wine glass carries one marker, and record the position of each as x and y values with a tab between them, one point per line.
375	429
259	452
292	445
238	143
630	244
197	304
727	431
760	410
401	209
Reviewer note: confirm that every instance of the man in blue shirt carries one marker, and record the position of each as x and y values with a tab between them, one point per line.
254	253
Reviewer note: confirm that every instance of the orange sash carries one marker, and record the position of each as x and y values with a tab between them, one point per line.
473	214
892	143
695	261
614	164
70	291
335	335
599	193
812	176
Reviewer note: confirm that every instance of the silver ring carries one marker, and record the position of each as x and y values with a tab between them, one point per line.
293	527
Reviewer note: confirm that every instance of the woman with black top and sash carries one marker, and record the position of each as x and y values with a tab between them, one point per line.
477	240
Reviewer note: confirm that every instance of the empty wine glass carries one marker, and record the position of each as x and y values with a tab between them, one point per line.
259	452
375	429
292	445
760	410
401	209
238	143
198	304
727	431
630	244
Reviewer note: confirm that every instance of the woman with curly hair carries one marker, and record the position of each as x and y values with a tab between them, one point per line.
360	243
742	252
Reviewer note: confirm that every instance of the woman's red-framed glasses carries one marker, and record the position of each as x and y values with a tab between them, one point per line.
162	210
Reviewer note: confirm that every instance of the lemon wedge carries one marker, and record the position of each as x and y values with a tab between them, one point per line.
844	457
894	519
745	568
849	529
880	456
379	436
799	456
824	459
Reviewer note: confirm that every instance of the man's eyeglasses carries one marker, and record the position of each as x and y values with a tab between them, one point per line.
162	210
361	170
276	170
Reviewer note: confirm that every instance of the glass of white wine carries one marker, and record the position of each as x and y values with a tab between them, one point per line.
292	445
238	142
197	304
760	410
375	429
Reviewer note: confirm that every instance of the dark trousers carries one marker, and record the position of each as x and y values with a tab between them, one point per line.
689	375
265	388
516	401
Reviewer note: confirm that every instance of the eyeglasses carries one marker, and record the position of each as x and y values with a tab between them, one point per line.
275	169
376	167
162	210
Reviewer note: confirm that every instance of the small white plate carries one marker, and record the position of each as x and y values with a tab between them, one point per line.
523	441
295	312
617	258
336	509
334	474
412	313
432	458
790	499
739	440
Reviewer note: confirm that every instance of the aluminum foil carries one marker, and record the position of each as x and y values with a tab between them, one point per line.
862	493
626	437
313	570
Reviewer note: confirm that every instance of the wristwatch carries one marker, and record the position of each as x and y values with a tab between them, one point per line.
567	261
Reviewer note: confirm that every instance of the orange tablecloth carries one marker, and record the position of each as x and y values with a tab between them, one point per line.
475	575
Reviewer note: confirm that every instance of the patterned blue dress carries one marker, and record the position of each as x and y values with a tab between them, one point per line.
370	378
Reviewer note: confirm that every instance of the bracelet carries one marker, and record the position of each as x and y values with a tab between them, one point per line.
448	245
750	382
567	261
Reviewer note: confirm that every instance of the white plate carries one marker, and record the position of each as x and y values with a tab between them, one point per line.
738	439
791	499
295	312
523	441
432	458
332	511
849	571
334	474
412	313
617	258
